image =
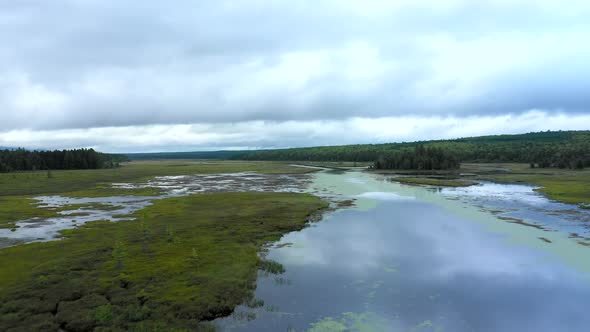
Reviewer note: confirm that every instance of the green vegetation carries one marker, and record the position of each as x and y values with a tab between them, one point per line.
67	181
418	158
215	155
14	208
565	149
18	188
336	164
352	322
272	267
441	182
183	261
23	160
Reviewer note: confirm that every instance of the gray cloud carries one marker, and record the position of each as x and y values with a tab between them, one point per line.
88	64
271	134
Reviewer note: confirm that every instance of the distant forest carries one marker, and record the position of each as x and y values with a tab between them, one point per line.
25	160
419	158
563	149
217	155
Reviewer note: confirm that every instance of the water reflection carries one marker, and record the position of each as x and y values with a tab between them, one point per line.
412	266
523	202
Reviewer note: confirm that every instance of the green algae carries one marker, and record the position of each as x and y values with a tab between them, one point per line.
352	322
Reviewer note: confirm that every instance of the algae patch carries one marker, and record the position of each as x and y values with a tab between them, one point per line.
350	321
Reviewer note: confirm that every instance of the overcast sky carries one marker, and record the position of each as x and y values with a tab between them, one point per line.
124	76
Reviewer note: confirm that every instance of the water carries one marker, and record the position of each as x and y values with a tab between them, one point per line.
523	202
418	259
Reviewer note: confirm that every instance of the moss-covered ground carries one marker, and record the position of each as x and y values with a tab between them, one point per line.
18	189
183	261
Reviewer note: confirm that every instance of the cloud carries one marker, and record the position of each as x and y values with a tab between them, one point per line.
273	134
79	64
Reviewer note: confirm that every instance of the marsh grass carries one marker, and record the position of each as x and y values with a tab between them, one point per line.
271	267
15	208
99	181
18	189
101	276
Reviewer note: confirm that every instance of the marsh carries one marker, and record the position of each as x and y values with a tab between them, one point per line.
385	256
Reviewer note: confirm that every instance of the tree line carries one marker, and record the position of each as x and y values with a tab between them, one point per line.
563	149
569	156
419	158
25	160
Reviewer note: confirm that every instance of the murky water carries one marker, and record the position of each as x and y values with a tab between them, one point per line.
417	259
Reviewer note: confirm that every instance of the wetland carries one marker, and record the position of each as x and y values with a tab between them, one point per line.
253	246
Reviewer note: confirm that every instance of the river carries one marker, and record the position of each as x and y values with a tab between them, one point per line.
485	258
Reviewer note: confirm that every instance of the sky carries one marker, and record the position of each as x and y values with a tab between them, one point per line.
144	76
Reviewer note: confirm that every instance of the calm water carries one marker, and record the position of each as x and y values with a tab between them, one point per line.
521	201
418	259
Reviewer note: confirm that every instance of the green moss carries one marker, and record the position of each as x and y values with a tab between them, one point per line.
434	182
103	314
184	260
569	190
